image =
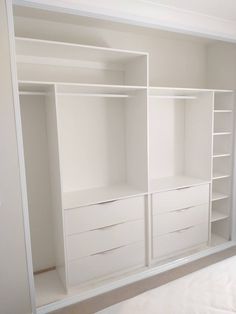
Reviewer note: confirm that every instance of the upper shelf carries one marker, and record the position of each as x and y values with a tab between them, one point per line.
53	61
78	89
181	93
45	49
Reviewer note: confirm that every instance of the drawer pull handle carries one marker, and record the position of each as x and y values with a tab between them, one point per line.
182	230
184	188
106	202
109	227
108	251
182	209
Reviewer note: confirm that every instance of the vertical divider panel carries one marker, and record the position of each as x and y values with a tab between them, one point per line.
149	218
54	159
212	153
233	173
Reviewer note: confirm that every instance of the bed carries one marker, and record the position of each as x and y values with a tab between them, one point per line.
211	290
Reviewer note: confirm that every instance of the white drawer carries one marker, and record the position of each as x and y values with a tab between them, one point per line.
180	198
92	242
171	243
106	263
104	214
179	219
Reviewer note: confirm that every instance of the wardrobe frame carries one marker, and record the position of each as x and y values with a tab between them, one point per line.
116	283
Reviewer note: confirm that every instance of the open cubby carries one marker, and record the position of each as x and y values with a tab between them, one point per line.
220	209
223	122
223	101
43	188
107	161
179	124
53	61
220	232
222	145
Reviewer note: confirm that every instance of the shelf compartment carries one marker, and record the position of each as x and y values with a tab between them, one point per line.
223	123
220	231
218	196
217	240
107	161
48	288
42	60
223	101
172	125
222	145
217	215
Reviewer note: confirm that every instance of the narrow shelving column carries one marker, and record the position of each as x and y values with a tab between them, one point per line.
222	167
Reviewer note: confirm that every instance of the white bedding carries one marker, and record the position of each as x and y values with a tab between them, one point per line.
211	290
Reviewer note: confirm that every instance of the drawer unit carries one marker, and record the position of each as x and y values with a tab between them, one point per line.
103	214
180	240
179	219
180	198
104	239
106	263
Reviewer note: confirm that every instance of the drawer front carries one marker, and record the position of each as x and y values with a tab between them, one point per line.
106	263
104	214
92	242
180	198
173	242
180	219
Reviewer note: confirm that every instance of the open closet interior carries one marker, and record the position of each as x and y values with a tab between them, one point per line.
128	137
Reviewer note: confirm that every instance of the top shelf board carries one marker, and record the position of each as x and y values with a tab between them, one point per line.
37	48
79	89
177	92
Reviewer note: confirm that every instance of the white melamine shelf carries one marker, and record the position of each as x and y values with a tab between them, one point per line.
121	91
222	133
221	155
48	288
218	196
223	111
176	91
55	52
169	183
217	176
80	198
217	240
76	88
217	215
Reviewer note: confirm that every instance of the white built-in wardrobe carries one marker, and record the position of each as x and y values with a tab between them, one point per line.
128	143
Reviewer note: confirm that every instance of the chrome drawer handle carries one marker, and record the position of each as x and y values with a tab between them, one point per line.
184	188
182	209
182	230
108	251
106	202
109	227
